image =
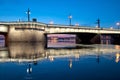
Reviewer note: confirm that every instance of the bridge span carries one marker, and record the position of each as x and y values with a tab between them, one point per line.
79	29
36	31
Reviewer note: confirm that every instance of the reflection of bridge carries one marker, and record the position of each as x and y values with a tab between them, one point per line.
25	52
34	31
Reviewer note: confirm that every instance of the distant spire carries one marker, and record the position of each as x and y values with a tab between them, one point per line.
28	14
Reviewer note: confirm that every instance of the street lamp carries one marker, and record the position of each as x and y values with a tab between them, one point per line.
111	27
98	23
77	24
28	14
118	24
51	22
70	17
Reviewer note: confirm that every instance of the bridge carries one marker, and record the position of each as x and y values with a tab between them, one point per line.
36	31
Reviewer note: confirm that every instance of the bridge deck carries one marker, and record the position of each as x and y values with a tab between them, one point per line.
4	26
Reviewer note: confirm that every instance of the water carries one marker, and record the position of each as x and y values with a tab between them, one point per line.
32	61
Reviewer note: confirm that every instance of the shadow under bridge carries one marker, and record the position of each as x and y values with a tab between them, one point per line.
87	38
3	39
83	38
3	35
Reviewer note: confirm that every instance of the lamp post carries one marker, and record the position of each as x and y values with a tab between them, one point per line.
77	24
98	23
70	17
51	22
28	14
118	24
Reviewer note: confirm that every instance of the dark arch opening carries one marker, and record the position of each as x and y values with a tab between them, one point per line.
3	40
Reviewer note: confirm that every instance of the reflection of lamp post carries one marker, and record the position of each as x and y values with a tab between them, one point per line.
29	71
51	58
117	57
118	24
70	63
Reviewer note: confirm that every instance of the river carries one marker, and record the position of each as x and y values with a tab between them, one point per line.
34	61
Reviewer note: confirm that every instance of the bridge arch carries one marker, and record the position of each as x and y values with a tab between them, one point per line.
3	39
3	35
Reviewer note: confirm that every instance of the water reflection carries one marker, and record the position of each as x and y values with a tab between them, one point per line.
29	71
34	61
26	52
70	63
117	47
117	57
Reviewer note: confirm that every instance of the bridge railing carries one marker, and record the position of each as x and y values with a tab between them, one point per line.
67	29
20	22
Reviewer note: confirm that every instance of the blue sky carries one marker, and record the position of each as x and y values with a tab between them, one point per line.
84	12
